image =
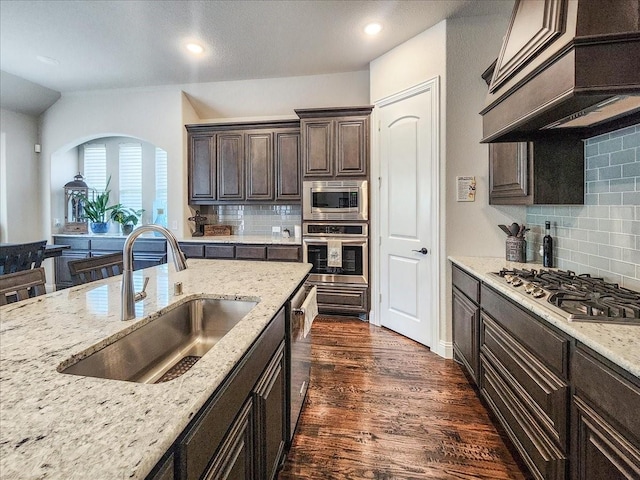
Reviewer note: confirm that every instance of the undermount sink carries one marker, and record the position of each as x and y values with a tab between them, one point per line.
168	346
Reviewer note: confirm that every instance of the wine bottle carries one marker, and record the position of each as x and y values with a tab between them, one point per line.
547	246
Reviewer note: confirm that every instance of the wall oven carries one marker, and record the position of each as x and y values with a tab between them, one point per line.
335	200
339	253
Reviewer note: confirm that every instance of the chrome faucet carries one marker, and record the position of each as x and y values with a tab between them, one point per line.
128	292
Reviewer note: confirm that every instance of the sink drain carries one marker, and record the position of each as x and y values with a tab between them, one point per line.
178	369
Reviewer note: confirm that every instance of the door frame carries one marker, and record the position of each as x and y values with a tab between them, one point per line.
431	86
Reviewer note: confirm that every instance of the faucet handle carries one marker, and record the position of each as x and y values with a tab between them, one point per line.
143	294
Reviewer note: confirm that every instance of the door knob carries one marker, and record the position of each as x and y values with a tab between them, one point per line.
423	251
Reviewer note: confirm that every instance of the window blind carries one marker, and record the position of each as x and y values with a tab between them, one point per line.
161	176
95	166
130	175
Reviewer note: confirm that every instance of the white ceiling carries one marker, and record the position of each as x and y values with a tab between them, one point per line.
137	43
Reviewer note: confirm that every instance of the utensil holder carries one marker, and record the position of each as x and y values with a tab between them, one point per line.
516	249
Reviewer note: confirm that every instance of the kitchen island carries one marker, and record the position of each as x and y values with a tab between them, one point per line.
63	426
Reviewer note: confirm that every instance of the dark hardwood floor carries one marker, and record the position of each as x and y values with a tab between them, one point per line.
382	407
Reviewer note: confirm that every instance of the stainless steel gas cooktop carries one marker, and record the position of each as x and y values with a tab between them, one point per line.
582	298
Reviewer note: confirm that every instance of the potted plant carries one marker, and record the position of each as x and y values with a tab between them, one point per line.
95	210
126	217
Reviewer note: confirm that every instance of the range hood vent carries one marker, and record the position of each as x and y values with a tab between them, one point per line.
611	109
566	66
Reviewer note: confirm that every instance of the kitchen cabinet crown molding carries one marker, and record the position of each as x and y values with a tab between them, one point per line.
256	125
333	111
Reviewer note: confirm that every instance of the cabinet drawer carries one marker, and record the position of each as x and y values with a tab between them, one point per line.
80	243
107	244
142	245
606	389
466	283
219	251
291	254
342	299
542	392
540	454
251	252
549	346
192	250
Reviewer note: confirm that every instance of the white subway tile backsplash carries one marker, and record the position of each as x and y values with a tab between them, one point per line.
608	173
631	140
609	146
603	236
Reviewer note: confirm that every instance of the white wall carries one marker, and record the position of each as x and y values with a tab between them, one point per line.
471	227
158	114
20	212
472	45
273	98
457	51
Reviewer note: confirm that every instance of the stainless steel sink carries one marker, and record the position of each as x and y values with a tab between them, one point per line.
168	346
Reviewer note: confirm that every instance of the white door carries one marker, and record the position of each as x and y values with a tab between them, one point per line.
408	217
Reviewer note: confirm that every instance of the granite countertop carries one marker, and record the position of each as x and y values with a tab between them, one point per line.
61	426
246	239
618	343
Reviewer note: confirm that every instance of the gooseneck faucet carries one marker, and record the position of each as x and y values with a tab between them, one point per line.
128	292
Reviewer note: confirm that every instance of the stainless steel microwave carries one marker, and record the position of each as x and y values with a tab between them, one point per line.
335	200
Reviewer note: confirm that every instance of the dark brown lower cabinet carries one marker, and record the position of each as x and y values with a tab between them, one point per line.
240	251
466	320
523	365
345	299
605	422
269	407
233	461
147	252
240	432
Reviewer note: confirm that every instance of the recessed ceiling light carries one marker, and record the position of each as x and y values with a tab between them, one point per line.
195	48
373	29
48	60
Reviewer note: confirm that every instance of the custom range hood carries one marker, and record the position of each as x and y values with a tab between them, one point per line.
566	67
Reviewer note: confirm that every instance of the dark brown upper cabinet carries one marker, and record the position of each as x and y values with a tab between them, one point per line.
202	171
288	168
254	162
335	141
230	165
542	172
566	67
259	165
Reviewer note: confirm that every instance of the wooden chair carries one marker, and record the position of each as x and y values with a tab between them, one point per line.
22	285
23	256
87	270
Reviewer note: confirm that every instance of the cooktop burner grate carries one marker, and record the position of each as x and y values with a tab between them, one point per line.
583	297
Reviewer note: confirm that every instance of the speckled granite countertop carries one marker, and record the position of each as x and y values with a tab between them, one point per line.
54	425
618	343
247	239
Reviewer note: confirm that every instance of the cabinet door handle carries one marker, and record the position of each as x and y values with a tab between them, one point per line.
423	251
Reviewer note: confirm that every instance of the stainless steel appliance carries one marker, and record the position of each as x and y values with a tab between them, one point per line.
339	252
335	200
300	359
578	298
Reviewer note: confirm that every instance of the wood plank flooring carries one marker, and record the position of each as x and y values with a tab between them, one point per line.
383	407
